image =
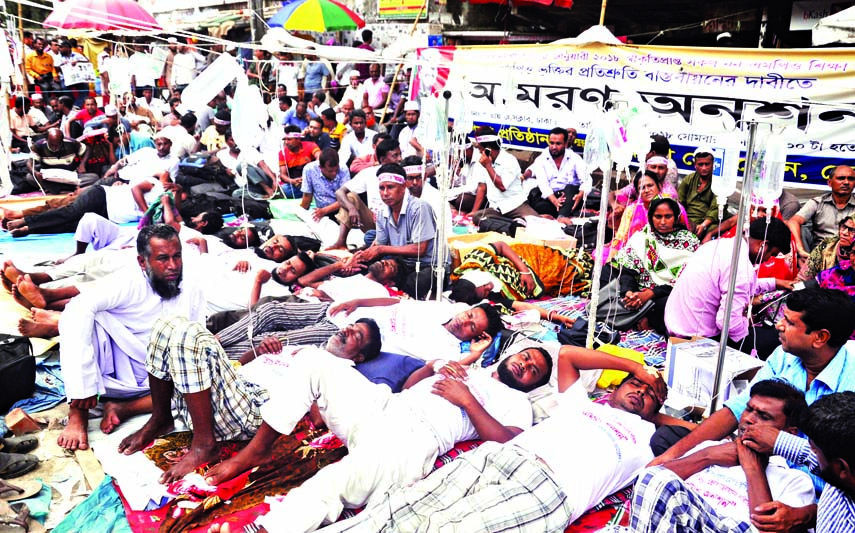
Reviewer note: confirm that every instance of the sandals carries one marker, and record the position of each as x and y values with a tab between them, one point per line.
17	523
21	491
22	444
16	464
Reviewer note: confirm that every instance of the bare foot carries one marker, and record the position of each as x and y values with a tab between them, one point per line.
117	412
46	316
11	272
31	291
35	328
15	224
195	457
232	467
337	246
18	297
145	436
23	231
75	436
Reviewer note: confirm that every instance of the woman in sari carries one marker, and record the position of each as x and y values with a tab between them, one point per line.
831	251
842	276
635	215
521	271
652	259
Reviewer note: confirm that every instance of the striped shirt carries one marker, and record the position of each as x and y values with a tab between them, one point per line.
64	158
835	509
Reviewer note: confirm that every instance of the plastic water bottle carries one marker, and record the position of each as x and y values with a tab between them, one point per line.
769	182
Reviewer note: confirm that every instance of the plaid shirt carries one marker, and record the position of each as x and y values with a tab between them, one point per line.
322	189
835	509
185	353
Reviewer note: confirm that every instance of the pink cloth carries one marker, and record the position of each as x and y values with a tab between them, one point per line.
697	303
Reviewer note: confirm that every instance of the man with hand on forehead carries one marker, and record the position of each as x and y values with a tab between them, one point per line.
406	227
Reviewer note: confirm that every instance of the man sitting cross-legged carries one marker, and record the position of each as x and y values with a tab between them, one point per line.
545	477
104	331
391	439
718	486
186	364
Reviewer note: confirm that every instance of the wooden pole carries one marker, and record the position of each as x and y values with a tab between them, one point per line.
603	12
400	65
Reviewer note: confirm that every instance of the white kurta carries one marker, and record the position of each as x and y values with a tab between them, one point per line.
104	333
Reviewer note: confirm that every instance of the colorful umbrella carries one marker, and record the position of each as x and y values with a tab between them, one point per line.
103	15
316	15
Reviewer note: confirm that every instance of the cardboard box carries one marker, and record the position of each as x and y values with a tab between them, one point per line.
690	372
565	243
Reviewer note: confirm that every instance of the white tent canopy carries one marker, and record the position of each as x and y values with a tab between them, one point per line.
836	28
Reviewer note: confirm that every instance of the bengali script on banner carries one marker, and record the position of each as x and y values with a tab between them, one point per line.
698	94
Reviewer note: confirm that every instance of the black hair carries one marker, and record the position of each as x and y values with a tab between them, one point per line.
659	145
291	128
188	120
560	131
703	154
174	100
367	35
793	398
358	113
328	114
328	155
22	102
487	130
828	309
30	34
214	222
386	146
672	204
411	160
372	348
308	261
464	291
508	378
319	120
320	95
494	320
285	99
777	234
380	137
392	168
828	423
66	101
228	134
158	231
636	181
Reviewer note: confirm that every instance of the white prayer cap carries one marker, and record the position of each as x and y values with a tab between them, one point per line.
110	110
355	74
172	40
411	106
704	150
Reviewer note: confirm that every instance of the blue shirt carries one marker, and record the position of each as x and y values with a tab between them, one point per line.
322	189
416	224
835	509
315	72
291	119
837	376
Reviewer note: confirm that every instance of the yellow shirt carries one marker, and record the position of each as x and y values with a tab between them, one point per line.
38	65
212	140
338	133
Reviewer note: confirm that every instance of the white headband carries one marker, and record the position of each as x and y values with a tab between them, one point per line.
293	135
391	177
487	139
414	169
657	160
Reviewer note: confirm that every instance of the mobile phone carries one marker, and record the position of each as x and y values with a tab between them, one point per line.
488	152
799	285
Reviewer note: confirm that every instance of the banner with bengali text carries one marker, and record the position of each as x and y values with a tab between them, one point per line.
699	94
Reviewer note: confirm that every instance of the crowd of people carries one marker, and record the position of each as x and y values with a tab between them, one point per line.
244	331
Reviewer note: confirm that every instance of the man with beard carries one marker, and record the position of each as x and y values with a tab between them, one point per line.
105	330
186	365
391	439
407	139
558	172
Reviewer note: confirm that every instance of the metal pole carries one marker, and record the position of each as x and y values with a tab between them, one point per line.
745	201
441	164
598	257
256	21
603	11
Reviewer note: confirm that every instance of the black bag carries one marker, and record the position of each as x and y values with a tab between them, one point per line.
17	370
508	226
611	311
577	334
586	234
225	204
